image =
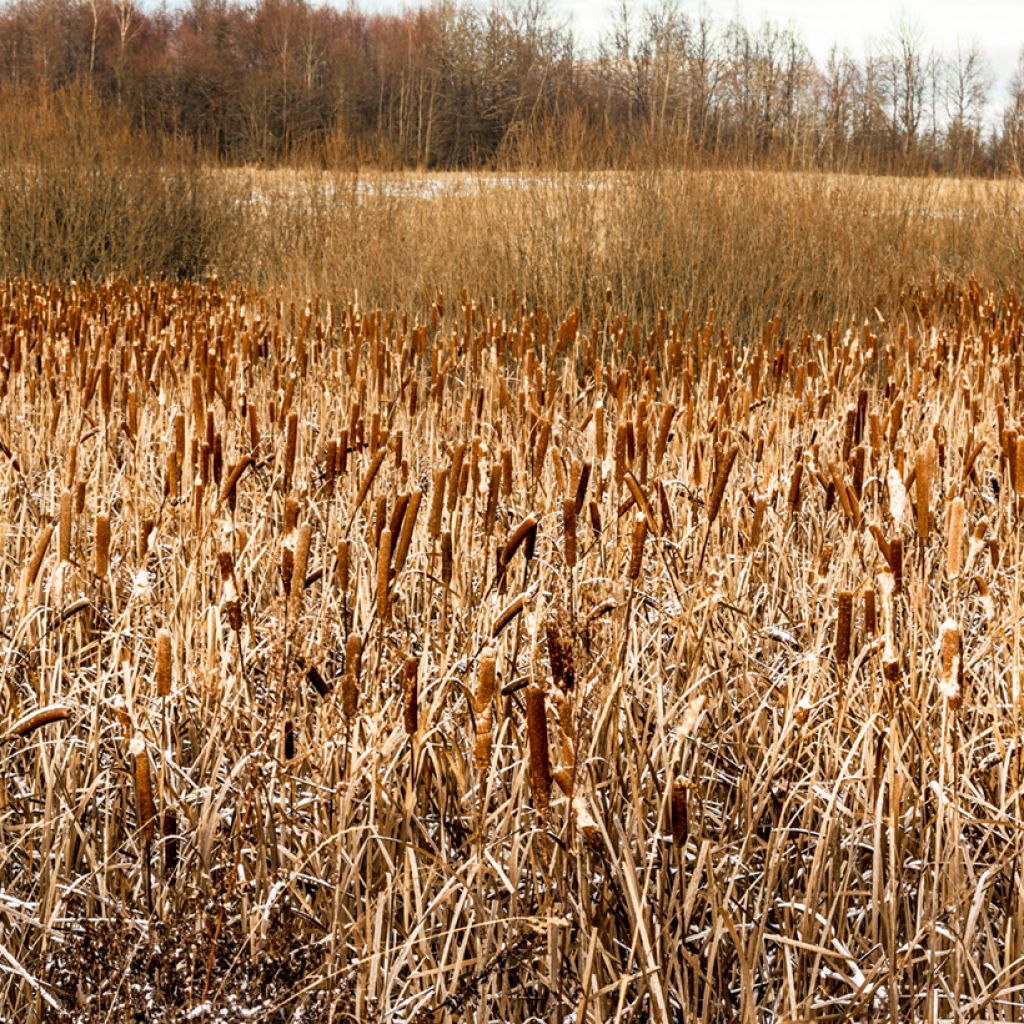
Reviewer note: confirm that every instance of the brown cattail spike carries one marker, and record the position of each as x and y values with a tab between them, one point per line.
482	709
163	663
537	732
725	464
679	815
102	545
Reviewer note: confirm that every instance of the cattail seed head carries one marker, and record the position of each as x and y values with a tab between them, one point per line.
725	464
383	573
950	663
569	530
843	623
537	733
955	538
636	553
163	663
678	812
297	594
64	531
102	544
437	504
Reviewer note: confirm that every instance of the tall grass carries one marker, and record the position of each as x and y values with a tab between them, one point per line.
83	194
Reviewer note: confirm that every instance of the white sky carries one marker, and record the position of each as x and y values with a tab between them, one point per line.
996	25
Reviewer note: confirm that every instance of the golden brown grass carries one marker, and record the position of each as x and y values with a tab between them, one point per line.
626	724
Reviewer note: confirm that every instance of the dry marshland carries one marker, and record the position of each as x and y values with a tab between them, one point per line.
495	665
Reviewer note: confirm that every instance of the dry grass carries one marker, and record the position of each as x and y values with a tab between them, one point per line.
670	706
750	245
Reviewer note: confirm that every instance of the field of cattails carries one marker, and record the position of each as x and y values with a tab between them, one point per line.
488	662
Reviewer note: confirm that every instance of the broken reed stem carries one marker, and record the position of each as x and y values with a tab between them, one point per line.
844	622
102	553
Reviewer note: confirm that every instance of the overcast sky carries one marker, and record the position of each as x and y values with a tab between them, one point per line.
996	25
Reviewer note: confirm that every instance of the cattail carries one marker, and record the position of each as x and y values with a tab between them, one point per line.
955	542
230	484
517	538
1018	457
410	696
482	708
896	563
636	552
71	465
437	504
297	594
923	482
29	723
541	451
229	593
898	504
447	558
725	464
290	449
342	567
371	473
508	614
383	571
455	476
678	812
64	531
560	657
793	499
143	789
569	530
102	544
537	733
664	426
169	830
620	454
825	559
858	470
843	623
179	447
870	616
354	656
599	438
581	486
163	663
950	662
412	510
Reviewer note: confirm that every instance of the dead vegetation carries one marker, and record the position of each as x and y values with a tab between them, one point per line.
486	665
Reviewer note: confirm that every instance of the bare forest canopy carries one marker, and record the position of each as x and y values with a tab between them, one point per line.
459	85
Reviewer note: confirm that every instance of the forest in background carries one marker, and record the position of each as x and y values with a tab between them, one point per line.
456	85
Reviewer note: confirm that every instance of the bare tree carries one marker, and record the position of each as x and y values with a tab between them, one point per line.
968	79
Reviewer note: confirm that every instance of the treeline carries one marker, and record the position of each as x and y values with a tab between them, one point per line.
453	85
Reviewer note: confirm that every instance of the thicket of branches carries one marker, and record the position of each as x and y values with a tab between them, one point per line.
455	84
